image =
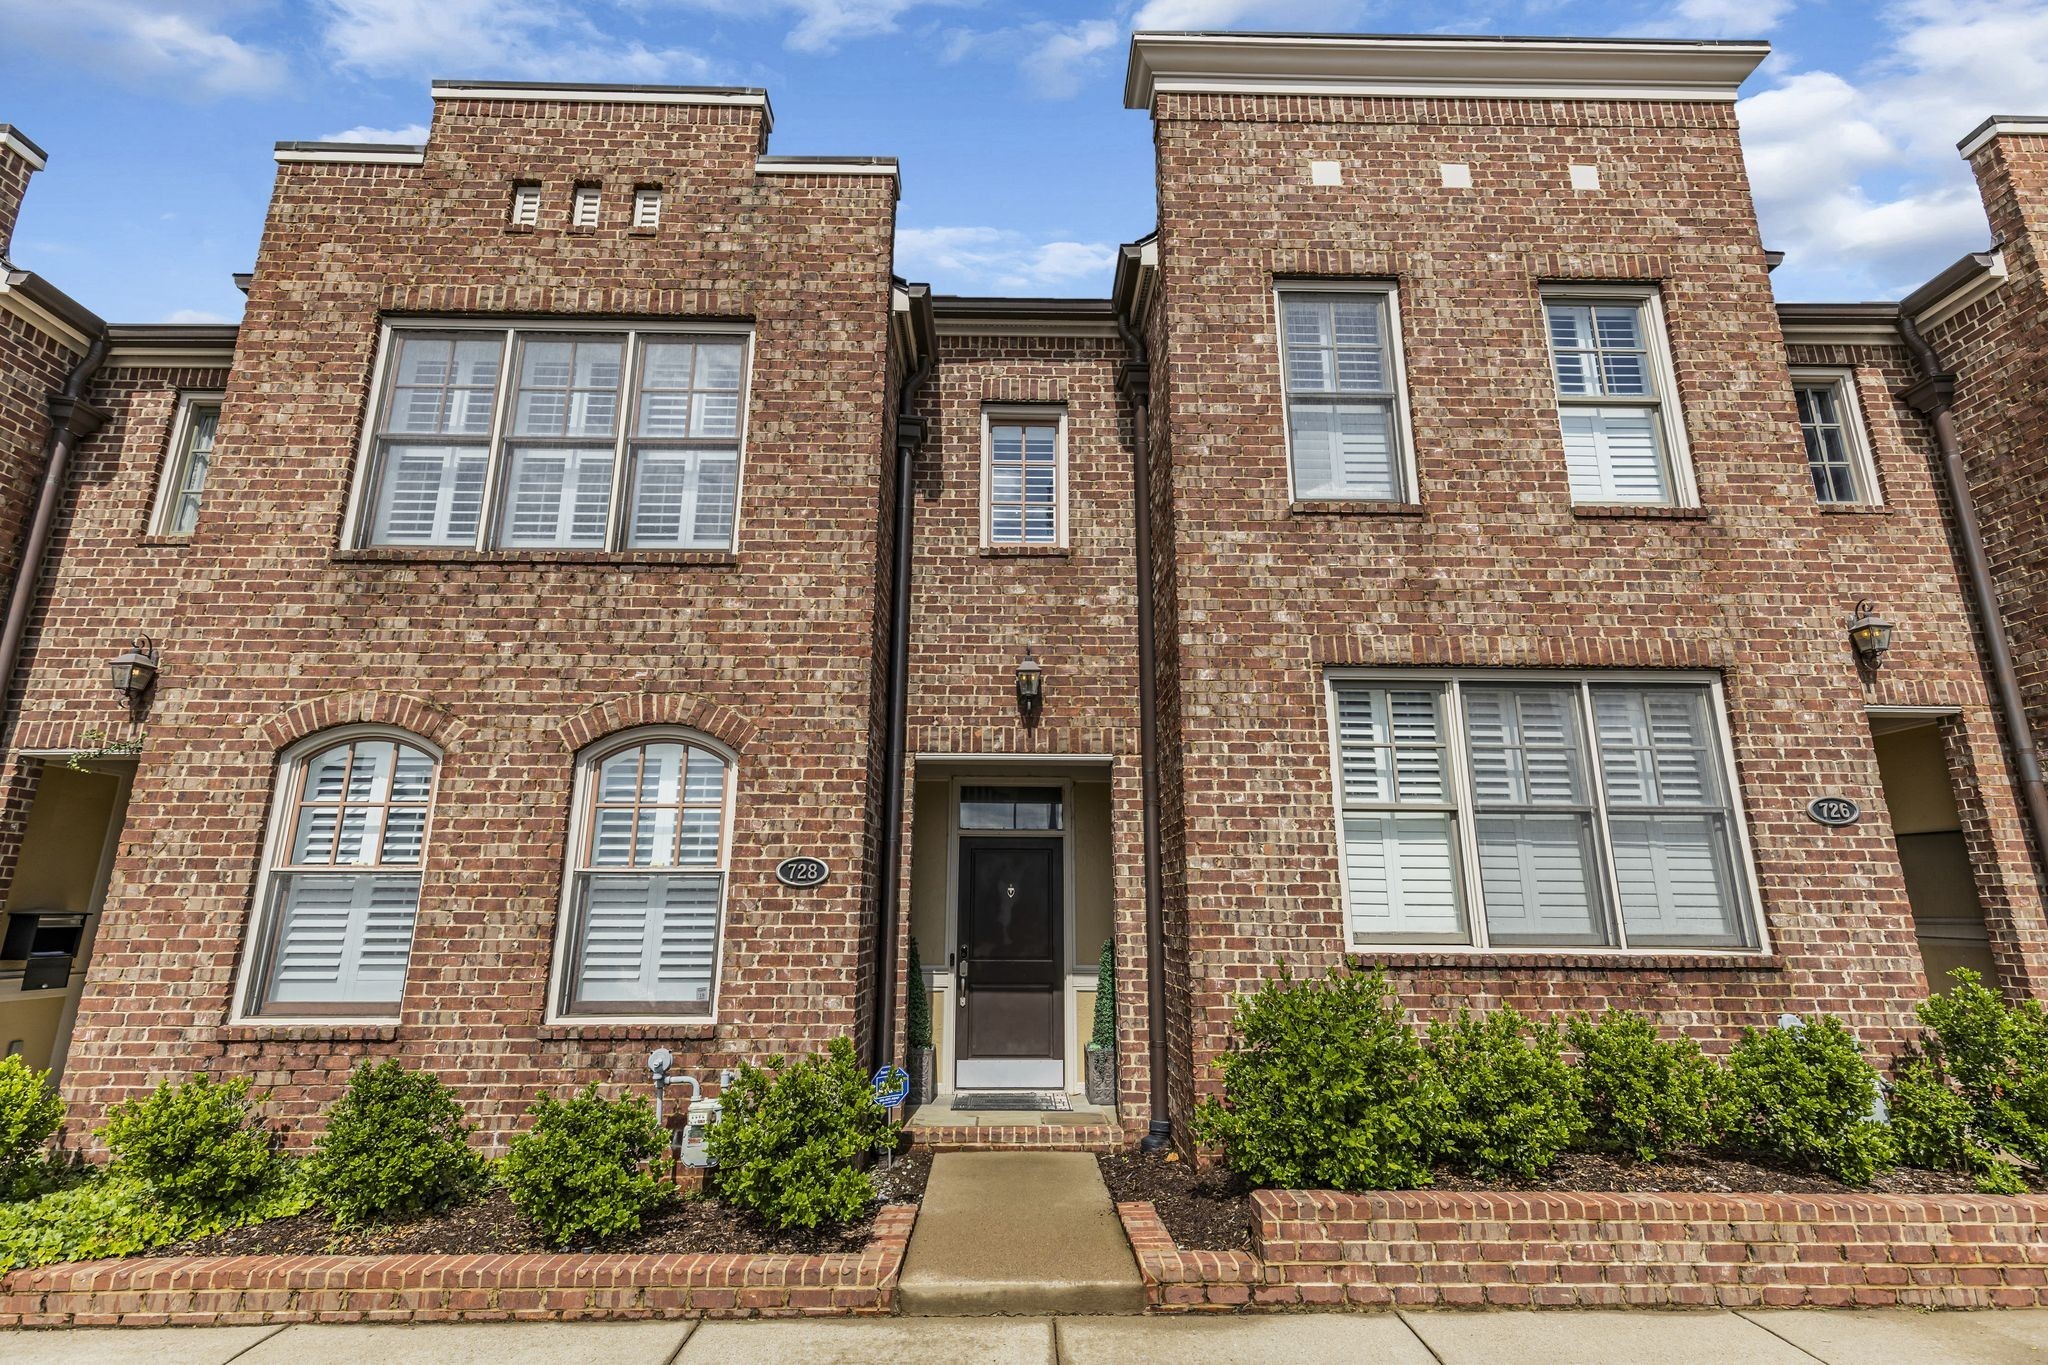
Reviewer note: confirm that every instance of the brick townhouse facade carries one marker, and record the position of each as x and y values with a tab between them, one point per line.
597	606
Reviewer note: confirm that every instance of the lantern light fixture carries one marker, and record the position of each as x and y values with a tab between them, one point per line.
1870	634
1030	684
134	673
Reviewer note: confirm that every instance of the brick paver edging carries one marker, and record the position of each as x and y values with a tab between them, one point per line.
221	1290
1458	1249
1037	1137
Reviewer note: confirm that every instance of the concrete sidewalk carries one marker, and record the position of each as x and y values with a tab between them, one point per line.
1888	1337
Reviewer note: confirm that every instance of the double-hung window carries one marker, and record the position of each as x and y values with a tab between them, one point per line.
1510	811
342	884
531	438
1622	440
1837	450
191	457
647	879
1024	487
1346	418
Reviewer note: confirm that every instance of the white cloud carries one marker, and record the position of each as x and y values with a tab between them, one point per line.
1268	14
539	39
178	47
822	25
999	260
195	315
410	133
1731	18
1063	57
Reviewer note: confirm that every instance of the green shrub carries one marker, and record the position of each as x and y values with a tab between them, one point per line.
1933	1126
917	1007
1327	1088
1995	1055
196	1146
115	1214
1645	1095
790	1138
396	1145
30	1115
1514	1099
1103	1039
1803	1096
578	1171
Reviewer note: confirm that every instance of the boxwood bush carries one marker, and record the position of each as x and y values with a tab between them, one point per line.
396	1146
30	1115
579	1172
1327	1088
1645	1095
1804	1096
1514	1099
195	1146
1974	1095
791	1139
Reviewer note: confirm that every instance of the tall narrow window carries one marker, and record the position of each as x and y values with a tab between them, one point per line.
1024	487
1346	430
558	479
434	441
190	460
647	207
1837	455
1399	813
583	208
648	880
686	458
525	205
1618	435
343	884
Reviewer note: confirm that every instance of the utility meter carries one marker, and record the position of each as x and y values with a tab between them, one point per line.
696	1127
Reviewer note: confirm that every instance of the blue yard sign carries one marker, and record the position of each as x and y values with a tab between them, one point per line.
892	1086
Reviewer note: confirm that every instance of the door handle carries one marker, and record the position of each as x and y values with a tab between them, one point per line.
961	983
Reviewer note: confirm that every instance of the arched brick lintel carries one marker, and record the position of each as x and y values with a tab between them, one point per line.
721	723
414	715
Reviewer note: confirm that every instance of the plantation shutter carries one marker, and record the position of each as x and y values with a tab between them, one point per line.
1614	456
429	495
1533	821
1343	450
649	939
1340	396
344	938
558	497
1401	862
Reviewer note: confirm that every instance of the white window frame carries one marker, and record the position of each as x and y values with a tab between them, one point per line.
262	924
363	489
994	415
561	988
171	479
647	204
1657	348
586	207
526	199
1848	402
1407	482
1750	912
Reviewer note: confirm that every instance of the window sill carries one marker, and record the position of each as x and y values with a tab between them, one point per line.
284	1031
1654	960
708	559
521	229
1854	509
1354	507
1626	511
601	1030
1026	552
643	232
163	542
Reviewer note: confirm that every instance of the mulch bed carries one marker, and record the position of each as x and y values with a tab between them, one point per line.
1208	1209
492	1227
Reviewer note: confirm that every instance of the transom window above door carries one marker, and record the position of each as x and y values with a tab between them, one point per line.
531	438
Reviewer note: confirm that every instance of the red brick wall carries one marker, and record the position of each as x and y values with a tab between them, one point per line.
15	170
513	661
1498	569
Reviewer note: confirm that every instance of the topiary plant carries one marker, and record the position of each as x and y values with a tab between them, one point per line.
396	1145
30	1115
790	1140
1803	1095
1643	1094
578	1172
195	1146
1515	1101
1103	1038
1327	1088
917	1004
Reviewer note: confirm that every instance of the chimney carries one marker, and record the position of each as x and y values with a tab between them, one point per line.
19	159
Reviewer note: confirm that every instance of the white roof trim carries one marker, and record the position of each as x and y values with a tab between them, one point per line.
1318	64
21	147
824	168
620	94
1946	307
1840	334
347	156
1029	327
42	319
2003	126
143	356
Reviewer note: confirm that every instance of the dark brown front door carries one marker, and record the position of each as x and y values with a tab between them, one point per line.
1010	963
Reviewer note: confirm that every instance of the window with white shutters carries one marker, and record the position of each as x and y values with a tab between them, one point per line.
1346	429
648	882
191	459
1837	455
1024	480
342	887
1617	424
626	439
1509	812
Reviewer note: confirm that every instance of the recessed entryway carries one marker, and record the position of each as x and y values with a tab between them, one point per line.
1927	826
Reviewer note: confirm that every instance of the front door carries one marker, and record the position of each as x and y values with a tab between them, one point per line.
1010	965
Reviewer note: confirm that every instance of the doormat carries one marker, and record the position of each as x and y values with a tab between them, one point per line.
1038	1101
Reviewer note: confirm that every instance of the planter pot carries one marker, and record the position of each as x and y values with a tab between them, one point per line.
1101	1075
924	1068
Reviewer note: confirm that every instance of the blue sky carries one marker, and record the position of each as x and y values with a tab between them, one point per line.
1021	168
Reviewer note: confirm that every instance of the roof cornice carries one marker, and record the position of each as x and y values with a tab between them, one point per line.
14	141
351	153
960	315
575	92
2000	125
1956	288
1839	324
1420	66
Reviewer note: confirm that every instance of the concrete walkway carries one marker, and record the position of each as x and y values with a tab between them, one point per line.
1018	1233
1890	1337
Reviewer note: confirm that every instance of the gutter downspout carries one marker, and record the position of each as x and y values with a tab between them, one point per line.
72	419
1136	383
909	435
1932	397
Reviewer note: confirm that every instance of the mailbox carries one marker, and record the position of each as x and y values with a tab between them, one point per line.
31	933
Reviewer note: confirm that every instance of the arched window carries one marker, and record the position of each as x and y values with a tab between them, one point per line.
342	883
647	882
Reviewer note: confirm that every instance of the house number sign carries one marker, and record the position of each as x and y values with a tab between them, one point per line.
1834	810
802	871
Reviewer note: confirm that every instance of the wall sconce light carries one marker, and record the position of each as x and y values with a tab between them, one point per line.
1870	633
1030	684
134	673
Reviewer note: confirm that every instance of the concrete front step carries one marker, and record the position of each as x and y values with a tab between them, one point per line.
1018	1233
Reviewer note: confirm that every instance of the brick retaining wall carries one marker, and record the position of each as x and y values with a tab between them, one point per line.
1455	1249
189	1291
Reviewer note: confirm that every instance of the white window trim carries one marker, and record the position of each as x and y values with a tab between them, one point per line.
1468	853
526	204
584	197
647	205
582	775
1408	484
1657	339
362	488
992	415
172	474
289	775
1849	402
